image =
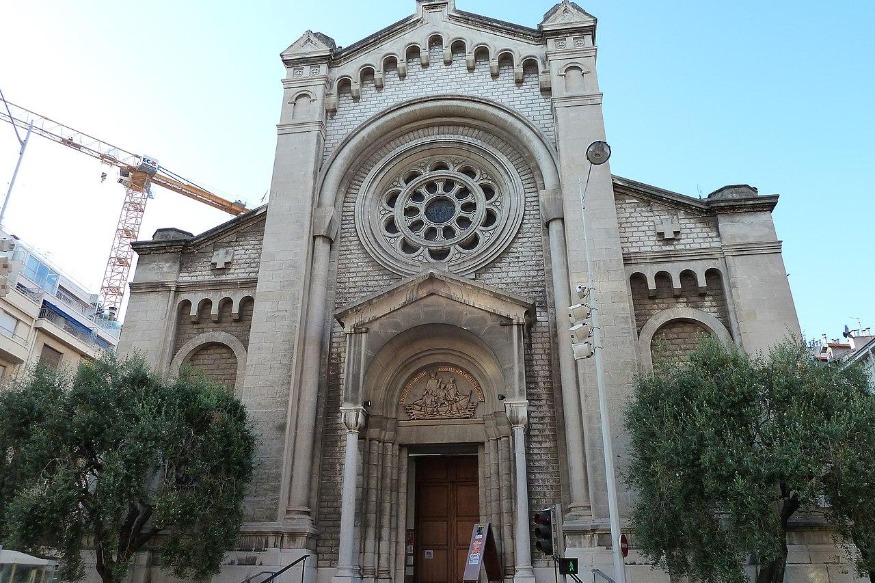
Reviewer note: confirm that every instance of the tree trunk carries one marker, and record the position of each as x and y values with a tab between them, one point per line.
103	569
773	571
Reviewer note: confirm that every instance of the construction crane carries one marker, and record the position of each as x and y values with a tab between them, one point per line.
136	173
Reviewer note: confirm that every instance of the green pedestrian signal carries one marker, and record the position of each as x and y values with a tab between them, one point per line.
567	566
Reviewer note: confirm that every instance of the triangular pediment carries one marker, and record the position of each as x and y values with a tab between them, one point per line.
310	44
436	284
436	17
566	15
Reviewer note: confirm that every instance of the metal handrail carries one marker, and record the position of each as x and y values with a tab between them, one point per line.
278	573
598	573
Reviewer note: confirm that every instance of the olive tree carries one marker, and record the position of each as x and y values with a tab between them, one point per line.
727	449
114	458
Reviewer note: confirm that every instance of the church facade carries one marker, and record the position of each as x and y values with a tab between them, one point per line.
396	317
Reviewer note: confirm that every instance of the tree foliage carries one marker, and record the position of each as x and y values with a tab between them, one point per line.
113	458
726	448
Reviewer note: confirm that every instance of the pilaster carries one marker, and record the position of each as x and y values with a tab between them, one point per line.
271	390
577	109
353	418
517	414
756	278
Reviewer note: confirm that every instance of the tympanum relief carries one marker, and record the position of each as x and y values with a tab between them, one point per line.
441	392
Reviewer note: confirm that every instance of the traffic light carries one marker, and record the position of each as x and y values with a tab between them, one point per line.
567	565
543	530
580	316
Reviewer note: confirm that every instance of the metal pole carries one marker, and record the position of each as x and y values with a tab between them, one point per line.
15	173
610	477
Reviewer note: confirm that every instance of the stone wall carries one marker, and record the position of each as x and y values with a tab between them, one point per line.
640	220
197	266
217	362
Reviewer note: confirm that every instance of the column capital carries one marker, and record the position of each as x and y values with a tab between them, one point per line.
517	411
353	417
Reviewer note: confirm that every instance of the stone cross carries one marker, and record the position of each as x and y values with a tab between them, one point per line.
669	228
222	258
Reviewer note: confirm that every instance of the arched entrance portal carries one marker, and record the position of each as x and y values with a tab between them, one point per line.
438	361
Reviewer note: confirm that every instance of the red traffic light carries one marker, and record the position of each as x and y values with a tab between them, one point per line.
543	530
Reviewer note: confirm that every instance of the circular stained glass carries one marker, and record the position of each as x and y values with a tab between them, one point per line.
440	210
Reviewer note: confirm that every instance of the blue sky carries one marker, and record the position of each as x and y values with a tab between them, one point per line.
697	95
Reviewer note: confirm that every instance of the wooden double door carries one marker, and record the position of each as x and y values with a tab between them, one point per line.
447	507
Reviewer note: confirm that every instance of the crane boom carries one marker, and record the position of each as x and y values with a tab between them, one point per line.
137	173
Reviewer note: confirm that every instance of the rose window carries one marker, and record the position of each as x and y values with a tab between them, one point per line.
440	212
456	211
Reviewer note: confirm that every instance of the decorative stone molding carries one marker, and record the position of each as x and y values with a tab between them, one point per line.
645	337
325	223
353	417
668	228
520	56
197	298
446	200
551	205
698	267
519	132
441	392
222	258
517	411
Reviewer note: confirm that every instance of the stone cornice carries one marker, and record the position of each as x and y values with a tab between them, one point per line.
305	82
648	257
343	55
756	248
299	128
632	259
493	25
410	290
572	54
183	245
764	203
712	206
594	99
184	287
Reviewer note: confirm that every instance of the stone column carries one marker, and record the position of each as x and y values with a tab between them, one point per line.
517	413
353	418
308	390
551	212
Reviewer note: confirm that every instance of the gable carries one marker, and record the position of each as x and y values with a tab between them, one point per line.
435	37
463	293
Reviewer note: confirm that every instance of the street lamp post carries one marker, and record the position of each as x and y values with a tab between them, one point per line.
597	153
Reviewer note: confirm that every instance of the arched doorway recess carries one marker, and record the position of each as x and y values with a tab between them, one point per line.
434	366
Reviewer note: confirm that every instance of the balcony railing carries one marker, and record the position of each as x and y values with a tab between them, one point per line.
61	322
110	327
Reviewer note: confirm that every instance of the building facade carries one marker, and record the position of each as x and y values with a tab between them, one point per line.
396	318
46	317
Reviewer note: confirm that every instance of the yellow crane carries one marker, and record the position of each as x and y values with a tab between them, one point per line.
136	173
